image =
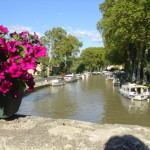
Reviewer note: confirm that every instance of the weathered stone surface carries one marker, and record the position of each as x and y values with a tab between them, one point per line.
38	133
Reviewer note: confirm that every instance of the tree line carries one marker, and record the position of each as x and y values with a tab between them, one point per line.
64	52
125	27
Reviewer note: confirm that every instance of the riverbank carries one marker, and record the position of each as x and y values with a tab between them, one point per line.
39	85
38	133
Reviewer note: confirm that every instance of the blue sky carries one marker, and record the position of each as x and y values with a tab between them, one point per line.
77	17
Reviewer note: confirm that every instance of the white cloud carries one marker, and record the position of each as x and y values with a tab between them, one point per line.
20	28
92	35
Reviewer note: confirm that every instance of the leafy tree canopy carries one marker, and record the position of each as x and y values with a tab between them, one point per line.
92	57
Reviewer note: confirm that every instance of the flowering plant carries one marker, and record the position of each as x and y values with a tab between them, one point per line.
18	54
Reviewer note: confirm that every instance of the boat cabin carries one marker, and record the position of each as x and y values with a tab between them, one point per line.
139	90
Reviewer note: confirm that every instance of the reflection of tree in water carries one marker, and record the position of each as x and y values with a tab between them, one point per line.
91	99
126	142
114	111
57	105
63	106
93	84
121	110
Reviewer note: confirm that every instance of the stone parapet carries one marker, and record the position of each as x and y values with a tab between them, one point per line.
39	133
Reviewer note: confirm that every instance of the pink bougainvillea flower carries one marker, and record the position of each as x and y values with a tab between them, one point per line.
3	30
39	44
8	65
39	51
31	86
13	34
24	34
29	49
14	55
28	63
12	46
3	45
5	86
2	42
18	52
2	75
36	36
27	76
15	71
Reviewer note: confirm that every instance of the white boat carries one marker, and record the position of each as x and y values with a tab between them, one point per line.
110	78
135	92
78	76
87	74
70	78
58	81
83	76
116	82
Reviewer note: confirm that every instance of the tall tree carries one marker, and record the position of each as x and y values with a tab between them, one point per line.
63	48
125	27
92	58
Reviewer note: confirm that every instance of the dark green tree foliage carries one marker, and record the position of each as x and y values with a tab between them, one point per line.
63	48
125	28
92	58
46	41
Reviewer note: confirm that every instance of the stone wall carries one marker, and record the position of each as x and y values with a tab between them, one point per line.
38	133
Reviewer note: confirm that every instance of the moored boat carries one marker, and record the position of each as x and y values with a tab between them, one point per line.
110	78
78	76
116	82
135	92
70	78
58	81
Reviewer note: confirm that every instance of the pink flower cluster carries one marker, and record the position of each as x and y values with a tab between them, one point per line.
18	54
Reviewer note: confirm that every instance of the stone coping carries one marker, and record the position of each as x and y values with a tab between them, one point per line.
40	133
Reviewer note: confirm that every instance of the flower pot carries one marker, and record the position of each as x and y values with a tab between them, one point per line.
9	105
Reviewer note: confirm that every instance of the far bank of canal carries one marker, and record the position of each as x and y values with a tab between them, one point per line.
91	99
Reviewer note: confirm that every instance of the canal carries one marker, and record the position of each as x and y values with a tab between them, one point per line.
92	99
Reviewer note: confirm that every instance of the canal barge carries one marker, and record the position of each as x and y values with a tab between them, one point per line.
116	82
59	81
110	78
70	78
135	92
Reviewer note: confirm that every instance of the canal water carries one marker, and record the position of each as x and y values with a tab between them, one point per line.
92	99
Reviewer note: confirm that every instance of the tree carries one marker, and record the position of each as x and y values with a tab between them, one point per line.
125	27
46	62
92	58
63	48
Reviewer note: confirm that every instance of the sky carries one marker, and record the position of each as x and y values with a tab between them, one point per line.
77	17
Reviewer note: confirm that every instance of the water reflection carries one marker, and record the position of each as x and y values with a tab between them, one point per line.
92	99
62	105
134	107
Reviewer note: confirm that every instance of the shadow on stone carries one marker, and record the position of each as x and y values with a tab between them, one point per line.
15	116
126	142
